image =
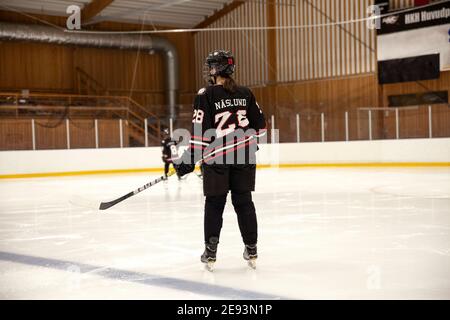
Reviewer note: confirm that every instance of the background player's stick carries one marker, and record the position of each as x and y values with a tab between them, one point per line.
107	205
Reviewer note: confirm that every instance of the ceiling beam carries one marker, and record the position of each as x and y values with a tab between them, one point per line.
219	14
93	9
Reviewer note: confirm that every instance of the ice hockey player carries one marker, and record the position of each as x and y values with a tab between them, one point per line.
226	122
169	151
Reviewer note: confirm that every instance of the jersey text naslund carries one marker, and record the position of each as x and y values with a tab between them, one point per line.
225	103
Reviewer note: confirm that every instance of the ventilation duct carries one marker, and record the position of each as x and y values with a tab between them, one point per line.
45	34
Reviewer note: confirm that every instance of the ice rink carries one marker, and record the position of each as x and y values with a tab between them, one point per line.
325	233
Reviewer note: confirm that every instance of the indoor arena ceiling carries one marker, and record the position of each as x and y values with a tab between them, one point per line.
179	13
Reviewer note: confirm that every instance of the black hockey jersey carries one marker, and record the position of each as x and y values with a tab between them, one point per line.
225	125
169	151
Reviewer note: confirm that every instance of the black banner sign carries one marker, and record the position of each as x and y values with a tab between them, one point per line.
437	14
409	69
420	98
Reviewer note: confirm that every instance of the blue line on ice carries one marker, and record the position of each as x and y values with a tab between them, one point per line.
139	277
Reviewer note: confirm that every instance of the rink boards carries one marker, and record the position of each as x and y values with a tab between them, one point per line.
411	152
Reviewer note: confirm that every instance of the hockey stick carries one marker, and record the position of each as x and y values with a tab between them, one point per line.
107	205
209	155
201	161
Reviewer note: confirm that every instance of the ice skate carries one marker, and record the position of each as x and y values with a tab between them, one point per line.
209	255
250	255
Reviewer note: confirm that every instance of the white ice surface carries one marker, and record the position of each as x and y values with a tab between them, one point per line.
323	233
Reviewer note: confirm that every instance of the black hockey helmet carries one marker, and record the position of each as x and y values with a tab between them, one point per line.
220	63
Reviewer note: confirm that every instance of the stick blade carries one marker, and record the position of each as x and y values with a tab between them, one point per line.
105	205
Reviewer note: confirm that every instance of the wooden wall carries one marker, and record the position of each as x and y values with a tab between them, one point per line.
299	53
324	51
327	70
415	122
311	98
249	47
441	84
314	70
43	67
308	71
16	134
355	94
35	66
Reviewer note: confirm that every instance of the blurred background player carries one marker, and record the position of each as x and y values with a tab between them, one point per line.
169	151
226	108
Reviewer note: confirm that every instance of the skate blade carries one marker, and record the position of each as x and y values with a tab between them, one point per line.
209	266
252	263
